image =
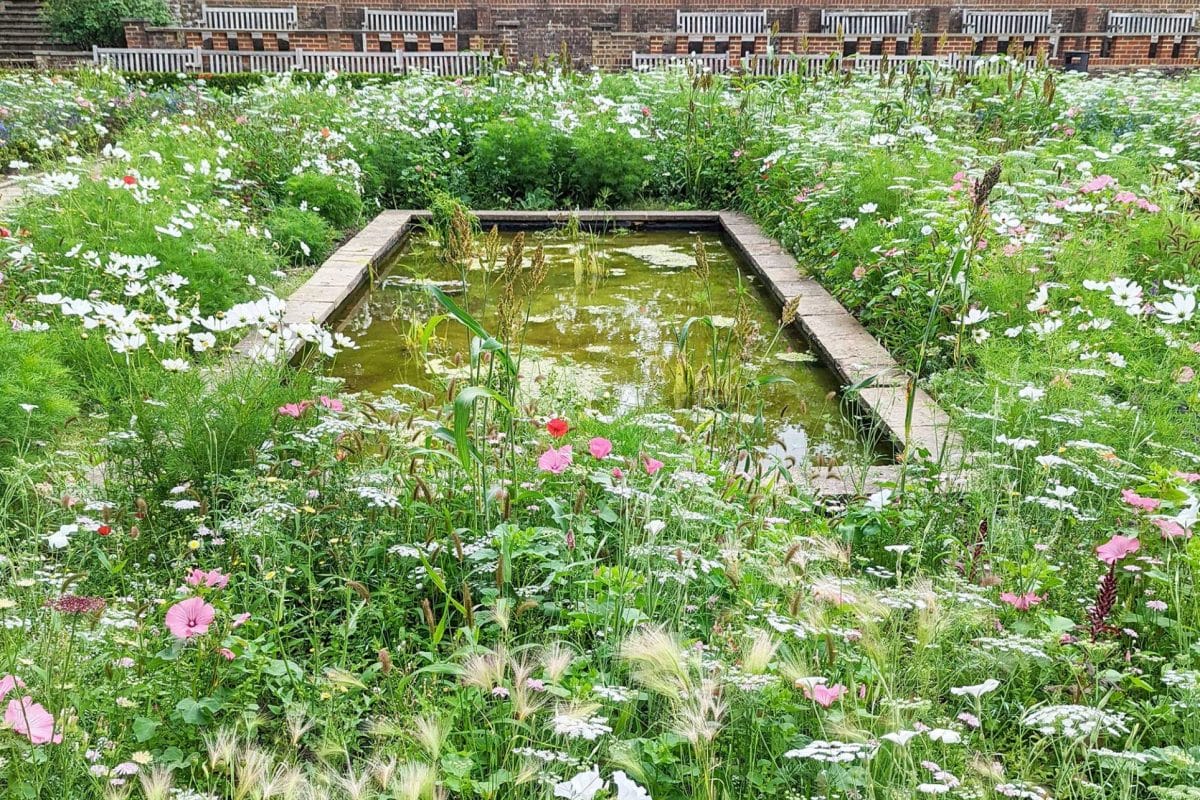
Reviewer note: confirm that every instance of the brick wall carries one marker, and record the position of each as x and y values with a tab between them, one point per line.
606	33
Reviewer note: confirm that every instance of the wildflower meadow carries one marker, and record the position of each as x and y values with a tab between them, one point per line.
225	576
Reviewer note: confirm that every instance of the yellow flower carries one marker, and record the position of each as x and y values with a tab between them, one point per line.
6	603
141	757
270	575
194	544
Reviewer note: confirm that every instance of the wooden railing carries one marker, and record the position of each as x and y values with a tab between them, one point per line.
816	63
409	21
853	24
226	18
1006	23
721	23
1149	22
455	64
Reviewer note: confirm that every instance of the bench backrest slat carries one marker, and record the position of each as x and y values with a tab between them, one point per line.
410	21
1150	22
866	23
232	18
721	23
1006	23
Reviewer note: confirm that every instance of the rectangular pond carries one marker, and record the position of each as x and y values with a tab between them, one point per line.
624	321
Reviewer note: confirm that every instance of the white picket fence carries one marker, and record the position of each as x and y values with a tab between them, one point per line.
1149	22
721	23
1006	23
377	21
454	64
226	18
853	24
816	63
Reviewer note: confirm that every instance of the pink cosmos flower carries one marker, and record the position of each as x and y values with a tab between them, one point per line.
239	620
190	618
213	579
599	447
8	683
1117	548
1137	501
31	720
1021	602
294	409
555	460
1170	528
227	653
651	464
332	403
618	473
823	695
1097	184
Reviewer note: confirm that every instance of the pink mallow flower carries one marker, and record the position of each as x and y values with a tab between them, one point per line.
8	683
1170	529
294	410
1021	602
332	403
31	720
651	464
1117	548
555	460
599	447
190	618
213	579
823	695
1137	501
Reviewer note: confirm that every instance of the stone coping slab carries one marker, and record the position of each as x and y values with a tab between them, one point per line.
879	385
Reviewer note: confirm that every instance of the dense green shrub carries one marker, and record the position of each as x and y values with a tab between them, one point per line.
512	159
329	196
607	166
35	391
302	237
83	23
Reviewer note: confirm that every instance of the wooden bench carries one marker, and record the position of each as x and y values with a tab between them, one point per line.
375	21
1006	24
721	23
1150	22
874	24
452	64
258	20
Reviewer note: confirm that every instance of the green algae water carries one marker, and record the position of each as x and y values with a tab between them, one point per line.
603	331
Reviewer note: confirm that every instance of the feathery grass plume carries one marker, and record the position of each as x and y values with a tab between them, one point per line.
524	700
430	733
486	670
383	771
757	657
250	771
156	783
930	617
698	717
222	747
415	781
354	787
658	661
285	782
556	660
298	722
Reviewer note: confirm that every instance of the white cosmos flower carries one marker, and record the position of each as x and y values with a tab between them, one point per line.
974	316
877	501
628	789
61	537
978	690
176	364
900	737
583	786
945	735
868	208
1179	308
1125	293
1016	444
846	223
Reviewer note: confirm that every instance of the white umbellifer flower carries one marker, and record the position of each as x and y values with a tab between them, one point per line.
1031	393
1074	721
1016	444
617	694
978	690
578	726
832	752
584	786
933	788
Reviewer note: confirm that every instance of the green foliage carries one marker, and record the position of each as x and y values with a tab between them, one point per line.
36	391
606	166
83	23
302	237
513	158
328	195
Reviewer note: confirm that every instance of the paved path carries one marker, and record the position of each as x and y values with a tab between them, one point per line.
10	194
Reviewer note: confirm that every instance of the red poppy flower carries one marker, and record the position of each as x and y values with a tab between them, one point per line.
130	180
557	427
5	233
104	530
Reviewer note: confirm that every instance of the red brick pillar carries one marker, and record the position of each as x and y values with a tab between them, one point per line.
135	33
483	17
